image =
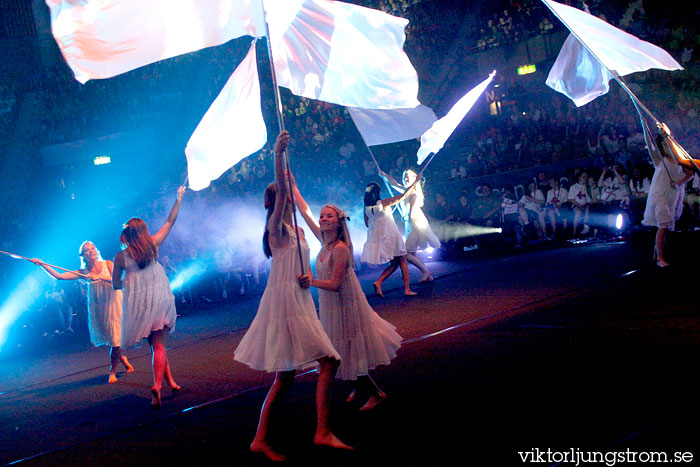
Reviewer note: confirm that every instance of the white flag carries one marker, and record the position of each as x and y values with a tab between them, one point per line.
232	129
434	139
341	53
104	38
384	126
577	74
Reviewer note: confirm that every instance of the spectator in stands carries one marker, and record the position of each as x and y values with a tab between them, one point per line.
557	206
580	202
531	209
487	209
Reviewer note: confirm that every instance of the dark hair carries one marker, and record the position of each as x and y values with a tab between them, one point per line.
138	242
270	197
372	193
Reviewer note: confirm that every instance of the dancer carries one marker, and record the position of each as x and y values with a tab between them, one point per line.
148	309
384	242
104	304
363	339
286	334
665	199
420	235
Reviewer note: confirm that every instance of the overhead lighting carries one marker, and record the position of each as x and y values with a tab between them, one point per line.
101	160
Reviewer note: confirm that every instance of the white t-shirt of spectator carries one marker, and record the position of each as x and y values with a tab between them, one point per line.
532	205
557	196
641	189
579	195
510	206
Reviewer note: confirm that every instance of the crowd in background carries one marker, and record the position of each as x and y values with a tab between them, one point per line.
535	131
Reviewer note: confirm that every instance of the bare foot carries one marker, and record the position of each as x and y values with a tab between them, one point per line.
374	401
426	277
409	293
378	289
661	263
155	398
129	368
112	378
331	441
351	397
263	448
174	388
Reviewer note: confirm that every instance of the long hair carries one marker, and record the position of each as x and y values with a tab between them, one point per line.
343	232
270	197
136	240
83	263
372	193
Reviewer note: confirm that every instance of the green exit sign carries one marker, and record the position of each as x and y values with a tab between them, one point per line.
526	69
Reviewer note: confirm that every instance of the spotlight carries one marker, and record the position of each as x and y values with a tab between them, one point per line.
619	222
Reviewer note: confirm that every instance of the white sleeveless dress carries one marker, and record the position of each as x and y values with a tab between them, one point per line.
363	339
420	235
148	302
104	311
664	201
286	333
384	241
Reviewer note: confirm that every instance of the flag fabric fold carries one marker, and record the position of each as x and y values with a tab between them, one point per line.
105	38
434	139
595	51
384	126
232	129
341	53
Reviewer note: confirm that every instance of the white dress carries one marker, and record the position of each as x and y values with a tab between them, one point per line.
664	202
363	339
384	241
286	333
420	235
104	311
148	302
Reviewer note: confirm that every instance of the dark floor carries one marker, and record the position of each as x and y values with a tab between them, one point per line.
582	347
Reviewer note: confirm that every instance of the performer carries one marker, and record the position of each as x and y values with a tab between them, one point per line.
363	339
148	309
665	199
420	235
384	242
286	334
104	304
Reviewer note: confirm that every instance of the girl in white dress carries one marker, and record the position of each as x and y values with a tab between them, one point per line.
286	334
363	339
665	199
420	234
148	309
104	304
384	242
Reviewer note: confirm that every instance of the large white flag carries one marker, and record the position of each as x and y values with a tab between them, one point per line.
341	53
104	38
384	126
579	75
232	128
434	139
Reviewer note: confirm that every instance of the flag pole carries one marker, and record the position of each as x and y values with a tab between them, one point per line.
12	255
280	120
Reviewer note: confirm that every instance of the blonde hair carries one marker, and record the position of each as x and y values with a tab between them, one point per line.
343	232
83	263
